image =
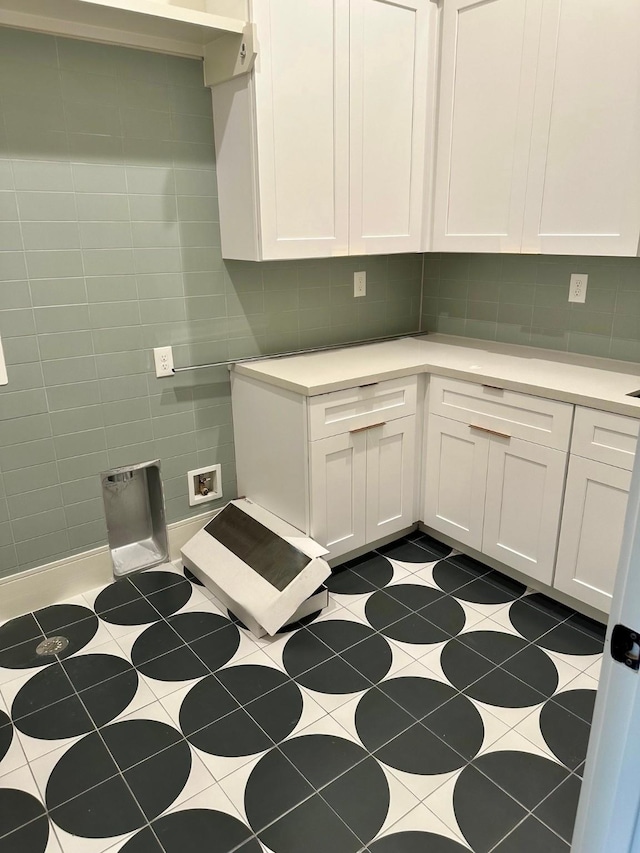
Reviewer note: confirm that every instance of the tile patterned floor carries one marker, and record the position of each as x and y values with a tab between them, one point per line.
435	707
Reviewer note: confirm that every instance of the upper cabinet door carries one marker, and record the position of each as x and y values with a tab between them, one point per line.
302	127
584	180
485	108
392	50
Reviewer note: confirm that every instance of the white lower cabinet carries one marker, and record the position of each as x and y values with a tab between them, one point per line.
456	459
522	507
338	475
495	493
592	522
363	485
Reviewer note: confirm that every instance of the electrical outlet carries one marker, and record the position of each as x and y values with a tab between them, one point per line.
359	284
163	357
578	287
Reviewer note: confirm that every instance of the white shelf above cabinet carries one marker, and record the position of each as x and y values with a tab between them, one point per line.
184	28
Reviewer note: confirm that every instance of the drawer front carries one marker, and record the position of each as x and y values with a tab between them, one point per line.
356	408
605	437
510	413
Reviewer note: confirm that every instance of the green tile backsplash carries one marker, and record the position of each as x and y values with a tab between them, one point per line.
522	299
109	246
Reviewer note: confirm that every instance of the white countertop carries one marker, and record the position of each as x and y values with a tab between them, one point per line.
600	383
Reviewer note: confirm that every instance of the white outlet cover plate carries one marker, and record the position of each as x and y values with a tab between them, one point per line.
163	359
578	287
214	494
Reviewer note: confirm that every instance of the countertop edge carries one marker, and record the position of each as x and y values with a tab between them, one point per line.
413	368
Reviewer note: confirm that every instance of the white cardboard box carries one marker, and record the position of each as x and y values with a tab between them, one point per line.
242	589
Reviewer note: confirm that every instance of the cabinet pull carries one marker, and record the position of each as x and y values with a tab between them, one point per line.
372	426
493	387
490	431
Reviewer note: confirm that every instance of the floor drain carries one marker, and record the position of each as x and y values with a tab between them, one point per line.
52	646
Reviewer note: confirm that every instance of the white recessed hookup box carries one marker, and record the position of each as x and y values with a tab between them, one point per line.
258	566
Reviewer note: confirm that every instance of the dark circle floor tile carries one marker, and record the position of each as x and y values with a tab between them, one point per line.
206	702
131	742
348	582
496	646
406	552
567	639
531	621
47	708
77	624
386	725
105	811
121	603
523	679
24	821
6	734
192	626
484	812
353	788
86	794
453	572
153	580
416	842
363	575
579	702
566	735
171	599
161	653
212	719
158	781
337	657
372	567
390	614
437	550
194	831
17	631
57	617
18	641
529	778
472	581
216	650
78	634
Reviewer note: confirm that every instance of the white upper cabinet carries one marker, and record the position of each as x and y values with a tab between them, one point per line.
487	77
282	137
321	151
388	123
583	194
539	127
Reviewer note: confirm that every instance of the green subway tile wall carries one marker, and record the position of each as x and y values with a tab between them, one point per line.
522	299
109	246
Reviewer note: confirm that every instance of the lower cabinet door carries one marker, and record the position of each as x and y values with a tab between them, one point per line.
391	477
338	492
456	460
591	534
525	484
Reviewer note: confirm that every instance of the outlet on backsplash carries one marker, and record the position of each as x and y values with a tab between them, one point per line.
578	287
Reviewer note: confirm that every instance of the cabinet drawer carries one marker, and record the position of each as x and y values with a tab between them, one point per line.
355	408
605	437
534	419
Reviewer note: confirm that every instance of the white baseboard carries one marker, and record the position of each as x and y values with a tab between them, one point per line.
26	591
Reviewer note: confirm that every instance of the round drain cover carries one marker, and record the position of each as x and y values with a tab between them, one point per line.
52	646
